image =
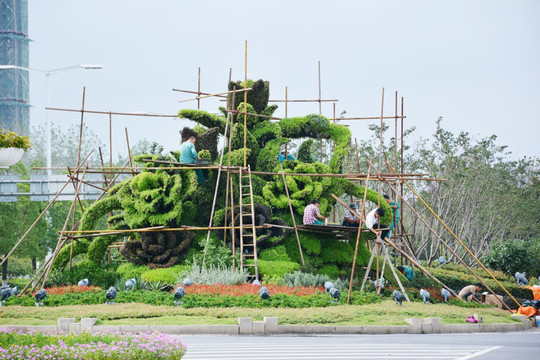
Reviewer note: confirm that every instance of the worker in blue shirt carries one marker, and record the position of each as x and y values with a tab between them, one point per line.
285	156
407	271
188	155
395	211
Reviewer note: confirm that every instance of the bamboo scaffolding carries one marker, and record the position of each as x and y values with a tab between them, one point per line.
40	215
58	246
448	247
212	95
292	213
245	112
198	92
82	123
228	140
365	118
217	186
129	153
461	242
111	112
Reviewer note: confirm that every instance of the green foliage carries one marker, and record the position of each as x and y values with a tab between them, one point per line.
258	95
319	299
276	268
457	280
515	255
211	275
10	139
330	270
304	152
205	118
299	278
131	271
103	276
166	275
205	154
276	253
18	266
216	254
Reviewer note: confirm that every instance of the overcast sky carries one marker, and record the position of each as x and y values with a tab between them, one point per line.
475	63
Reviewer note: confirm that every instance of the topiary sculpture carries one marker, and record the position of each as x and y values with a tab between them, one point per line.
171	198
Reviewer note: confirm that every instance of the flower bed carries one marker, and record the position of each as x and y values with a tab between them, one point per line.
85	345
206	296
249	289
60	290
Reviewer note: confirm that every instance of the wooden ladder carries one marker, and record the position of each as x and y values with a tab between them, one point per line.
248	241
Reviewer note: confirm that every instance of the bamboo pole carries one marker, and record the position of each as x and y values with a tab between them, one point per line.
395	275
233	235
129	153
360	220
41	215
198	93
365	118
82	123
449	247
245	112
367	271
216	189
111	112
461	242
73	205
225	141
74	215
420	267
292	213
211	95
199	89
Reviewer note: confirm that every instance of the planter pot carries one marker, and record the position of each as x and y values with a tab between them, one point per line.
10	156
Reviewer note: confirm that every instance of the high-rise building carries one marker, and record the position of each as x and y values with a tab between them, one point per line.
14	83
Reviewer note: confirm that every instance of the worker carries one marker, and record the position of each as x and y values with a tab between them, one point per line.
407	271
351	219
312	216
395	211
188	155
372	223
284	155
468	292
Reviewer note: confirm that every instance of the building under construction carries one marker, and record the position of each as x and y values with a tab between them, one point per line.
14	83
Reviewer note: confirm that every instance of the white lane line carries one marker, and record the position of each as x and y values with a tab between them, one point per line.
482	352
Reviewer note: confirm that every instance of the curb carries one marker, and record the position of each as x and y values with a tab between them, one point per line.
270	326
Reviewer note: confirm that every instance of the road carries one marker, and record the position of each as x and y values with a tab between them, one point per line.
479	346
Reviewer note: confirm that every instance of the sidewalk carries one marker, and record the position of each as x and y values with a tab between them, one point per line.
270	326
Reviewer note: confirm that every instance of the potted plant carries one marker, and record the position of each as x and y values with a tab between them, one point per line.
12	148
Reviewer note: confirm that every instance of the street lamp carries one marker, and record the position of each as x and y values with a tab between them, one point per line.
48	73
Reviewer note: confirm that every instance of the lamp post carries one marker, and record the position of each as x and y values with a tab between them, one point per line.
48	73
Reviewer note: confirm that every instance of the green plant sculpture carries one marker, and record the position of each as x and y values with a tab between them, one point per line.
172	198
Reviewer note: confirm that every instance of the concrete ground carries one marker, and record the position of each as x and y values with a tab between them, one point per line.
478	346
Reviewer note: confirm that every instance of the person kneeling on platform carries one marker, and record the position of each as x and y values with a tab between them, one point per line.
350	219
372	223
312	216
188	155
468	292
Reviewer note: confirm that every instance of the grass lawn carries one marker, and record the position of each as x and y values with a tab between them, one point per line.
385	313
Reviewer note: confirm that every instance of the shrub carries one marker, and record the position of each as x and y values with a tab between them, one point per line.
103	276
299	278
213	275
165	275
515	255
276	268
130	271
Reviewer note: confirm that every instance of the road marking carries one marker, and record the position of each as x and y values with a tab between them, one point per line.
482	352
258	351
